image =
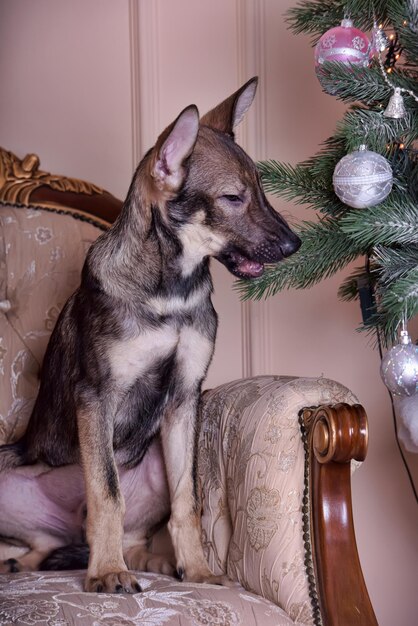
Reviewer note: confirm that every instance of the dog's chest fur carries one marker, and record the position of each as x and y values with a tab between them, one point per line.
157	368
131	359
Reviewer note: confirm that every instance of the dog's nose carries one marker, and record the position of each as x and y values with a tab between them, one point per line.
291	245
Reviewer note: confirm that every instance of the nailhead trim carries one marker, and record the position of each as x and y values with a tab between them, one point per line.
64	211
306	519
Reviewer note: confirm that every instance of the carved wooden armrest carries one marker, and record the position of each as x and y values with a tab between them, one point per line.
334	435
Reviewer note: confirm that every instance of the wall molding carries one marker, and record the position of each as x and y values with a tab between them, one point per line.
251	61
134	57
252	135
145	74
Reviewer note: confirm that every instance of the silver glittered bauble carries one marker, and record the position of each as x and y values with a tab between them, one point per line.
399	368
362	178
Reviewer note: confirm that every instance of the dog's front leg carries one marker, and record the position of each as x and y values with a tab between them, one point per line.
107	570
178	438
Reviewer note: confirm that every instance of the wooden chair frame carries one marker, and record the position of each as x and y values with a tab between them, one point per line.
334	436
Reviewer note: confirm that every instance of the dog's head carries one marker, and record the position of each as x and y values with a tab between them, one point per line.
210	191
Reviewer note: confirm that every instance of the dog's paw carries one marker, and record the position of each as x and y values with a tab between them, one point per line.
9	566
139	559
113	582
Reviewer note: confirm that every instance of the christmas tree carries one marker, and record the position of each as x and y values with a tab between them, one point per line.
367	203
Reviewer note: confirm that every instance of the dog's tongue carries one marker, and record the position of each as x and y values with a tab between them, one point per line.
250	268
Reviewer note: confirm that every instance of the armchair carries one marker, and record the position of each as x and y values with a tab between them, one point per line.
274	455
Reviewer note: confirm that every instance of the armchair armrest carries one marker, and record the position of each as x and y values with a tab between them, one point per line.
334	435
275	517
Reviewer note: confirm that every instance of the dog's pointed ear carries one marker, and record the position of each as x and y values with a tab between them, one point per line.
173	146
230	112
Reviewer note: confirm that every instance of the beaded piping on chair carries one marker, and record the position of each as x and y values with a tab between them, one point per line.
306	521
75	213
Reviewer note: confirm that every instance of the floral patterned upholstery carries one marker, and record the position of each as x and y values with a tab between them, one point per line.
41	254
38	599
251	462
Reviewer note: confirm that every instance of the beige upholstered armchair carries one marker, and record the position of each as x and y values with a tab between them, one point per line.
275	452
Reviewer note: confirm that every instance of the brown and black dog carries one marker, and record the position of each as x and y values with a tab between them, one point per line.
131	348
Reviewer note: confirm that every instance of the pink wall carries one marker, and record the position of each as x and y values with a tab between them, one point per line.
65	87
70	74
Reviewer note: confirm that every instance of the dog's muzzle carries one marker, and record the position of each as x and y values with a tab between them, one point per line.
252	265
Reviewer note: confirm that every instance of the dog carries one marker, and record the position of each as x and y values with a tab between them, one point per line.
122	374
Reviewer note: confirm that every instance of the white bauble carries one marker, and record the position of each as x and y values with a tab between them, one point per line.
399	367
362	178
407	412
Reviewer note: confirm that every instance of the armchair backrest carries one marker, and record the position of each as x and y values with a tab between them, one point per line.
45	232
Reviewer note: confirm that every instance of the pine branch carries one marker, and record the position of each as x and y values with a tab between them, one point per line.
291	183
394	221
301	185
318	16
351	83
394	263
393	275
398	300
404	162
372	128
322	165
325	250
404	17
412	184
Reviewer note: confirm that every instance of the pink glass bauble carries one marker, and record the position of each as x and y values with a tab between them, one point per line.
345	44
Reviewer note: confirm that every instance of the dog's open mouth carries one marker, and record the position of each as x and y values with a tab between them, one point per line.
241	266
247	268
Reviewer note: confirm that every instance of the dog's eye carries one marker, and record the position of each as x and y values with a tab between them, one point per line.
232	198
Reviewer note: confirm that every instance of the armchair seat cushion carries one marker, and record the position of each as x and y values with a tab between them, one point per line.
56	599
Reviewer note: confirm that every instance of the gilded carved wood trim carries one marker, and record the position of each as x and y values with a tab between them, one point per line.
19	178
24	184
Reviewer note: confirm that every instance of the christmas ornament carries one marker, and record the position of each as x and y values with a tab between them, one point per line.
396	107
406	408
399	368
345	44
362	178
379	40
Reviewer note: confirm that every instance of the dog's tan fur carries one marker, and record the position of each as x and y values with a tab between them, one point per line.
104	530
